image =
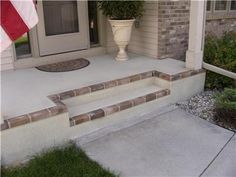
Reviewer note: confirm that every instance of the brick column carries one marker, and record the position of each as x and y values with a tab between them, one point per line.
194	54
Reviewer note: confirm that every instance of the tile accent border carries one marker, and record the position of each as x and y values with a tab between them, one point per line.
35	116
102	112
61	107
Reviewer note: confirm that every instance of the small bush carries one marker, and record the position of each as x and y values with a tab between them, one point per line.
122	9
225	107
220	52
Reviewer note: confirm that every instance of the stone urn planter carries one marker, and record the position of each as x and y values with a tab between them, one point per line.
122	15
122	32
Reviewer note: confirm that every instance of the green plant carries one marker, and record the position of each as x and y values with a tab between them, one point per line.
221	52
122	9
22	40
225	106
67	161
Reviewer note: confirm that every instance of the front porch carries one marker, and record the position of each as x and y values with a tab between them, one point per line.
41	110
26	90
30	114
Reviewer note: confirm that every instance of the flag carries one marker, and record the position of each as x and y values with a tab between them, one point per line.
17	18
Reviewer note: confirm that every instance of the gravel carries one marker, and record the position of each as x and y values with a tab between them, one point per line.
202	105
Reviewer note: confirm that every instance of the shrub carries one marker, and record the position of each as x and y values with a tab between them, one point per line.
225	107
220	52
122	9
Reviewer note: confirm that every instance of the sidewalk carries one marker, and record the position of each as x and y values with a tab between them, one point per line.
172	144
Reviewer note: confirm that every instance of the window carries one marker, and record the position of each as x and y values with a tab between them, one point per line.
233	5
208	5
22	46
60	17
220	5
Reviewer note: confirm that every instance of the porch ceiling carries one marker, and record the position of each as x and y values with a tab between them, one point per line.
26	90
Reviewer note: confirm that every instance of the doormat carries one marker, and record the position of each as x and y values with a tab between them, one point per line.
65	66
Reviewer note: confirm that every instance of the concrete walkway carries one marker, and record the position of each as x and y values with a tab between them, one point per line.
172	144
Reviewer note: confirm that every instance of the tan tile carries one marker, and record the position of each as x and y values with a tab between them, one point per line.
96	87
161	93
185	74
123	81
165	76
82	91
67	94
111	109
135	77
150	97
20	120
146	75
125	105
39	115
80	118
175	77
57	110
110	84
53	97
4	125
139	100
157	73
96	114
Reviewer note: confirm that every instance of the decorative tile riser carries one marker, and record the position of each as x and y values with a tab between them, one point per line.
61	108
105	111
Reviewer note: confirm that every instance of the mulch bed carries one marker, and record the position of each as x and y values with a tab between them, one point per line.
65	66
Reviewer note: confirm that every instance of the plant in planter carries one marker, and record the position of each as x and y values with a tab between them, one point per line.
122	15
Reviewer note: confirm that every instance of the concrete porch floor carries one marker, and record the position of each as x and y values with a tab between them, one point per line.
26	90
172	144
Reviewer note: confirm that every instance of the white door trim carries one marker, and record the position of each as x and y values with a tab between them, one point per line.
49	45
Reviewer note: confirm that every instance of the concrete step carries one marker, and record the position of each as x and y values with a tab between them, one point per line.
108	101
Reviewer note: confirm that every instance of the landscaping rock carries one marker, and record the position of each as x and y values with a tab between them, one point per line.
202	105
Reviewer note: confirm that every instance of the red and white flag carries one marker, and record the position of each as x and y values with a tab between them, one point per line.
17	18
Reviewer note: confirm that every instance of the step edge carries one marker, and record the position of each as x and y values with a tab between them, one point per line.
111	109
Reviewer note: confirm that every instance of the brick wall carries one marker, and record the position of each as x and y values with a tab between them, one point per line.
173	25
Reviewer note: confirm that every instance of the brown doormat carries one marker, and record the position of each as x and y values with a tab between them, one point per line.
64	66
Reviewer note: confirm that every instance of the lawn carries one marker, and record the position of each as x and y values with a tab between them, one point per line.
61	162
21	40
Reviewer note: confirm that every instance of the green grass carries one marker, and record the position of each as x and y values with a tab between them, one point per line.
21	40
61	162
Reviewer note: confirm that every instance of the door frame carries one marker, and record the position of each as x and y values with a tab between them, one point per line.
53	40
36	59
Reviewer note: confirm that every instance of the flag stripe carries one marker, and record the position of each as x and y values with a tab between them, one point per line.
11	21
26	9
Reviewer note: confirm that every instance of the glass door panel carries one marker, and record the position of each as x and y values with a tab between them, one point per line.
63	26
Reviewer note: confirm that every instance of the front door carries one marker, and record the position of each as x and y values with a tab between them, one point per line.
62	27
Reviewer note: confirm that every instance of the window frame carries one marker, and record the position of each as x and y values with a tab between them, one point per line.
230	10
211	6
220	11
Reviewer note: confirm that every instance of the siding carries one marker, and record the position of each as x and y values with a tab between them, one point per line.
144	38
7	59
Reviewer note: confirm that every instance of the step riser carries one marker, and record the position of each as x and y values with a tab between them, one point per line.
104	102
105	111
83	99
